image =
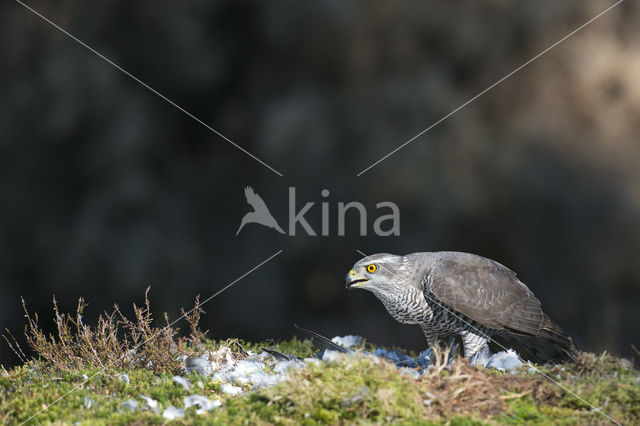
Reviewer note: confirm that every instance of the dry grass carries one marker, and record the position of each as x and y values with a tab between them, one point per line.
115	342
462	389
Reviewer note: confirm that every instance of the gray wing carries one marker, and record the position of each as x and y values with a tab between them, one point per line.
490	294
255	200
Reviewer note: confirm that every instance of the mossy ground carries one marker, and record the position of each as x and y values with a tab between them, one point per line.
74	377
360	389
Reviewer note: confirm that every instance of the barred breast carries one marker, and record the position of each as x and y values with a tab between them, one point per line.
407	307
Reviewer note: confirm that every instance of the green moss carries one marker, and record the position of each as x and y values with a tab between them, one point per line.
359	389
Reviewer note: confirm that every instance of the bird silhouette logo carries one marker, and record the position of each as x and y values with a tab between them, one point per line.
260	213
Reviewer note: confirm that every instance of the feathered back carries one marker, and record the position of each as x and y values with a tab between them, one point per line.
491	295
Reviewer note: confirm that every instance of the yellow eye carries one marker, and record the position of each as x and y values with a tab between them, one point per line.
371	268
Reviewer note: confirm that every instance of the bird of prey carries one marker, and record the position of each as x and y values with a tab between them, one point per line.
260	213
453	295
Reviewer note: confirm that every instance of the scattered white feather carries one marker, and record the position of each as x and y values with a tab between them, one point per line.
263	380
182	382
230	389
172	413
246	371
348	341
481	357
412	372
204	404
332	356
130	404
262	369
504	361
282	367
150	404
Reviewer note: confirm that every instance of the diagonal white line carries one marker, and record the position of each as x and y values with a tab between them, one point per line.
152	336
569	391
142	83
492	86
232	283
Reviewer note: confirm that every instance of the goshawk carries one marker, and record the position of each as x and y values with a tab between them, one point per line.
453	295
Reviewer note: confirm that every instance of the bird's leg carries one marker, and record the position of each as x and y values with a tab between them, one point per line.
454	344
431	338
442	351
476	347
441	347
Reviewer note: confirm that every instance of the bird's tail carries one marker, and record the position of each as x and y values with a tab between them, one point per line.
561	341
551	345
542	350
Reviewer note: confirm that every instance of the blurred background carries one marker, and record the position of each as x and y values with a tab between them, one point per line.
105	189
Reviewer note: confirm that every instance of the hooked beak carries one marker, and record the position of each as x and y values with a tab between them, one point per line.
354	280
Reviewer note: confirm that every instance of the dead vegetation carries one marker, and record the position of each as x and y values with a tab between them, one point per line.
115	342
463	389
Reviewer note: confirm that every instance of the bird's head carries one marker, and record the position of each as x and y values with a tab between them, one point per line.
378	273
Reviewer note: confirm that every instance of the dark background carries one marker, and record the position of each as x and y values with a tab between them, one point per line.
106	189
